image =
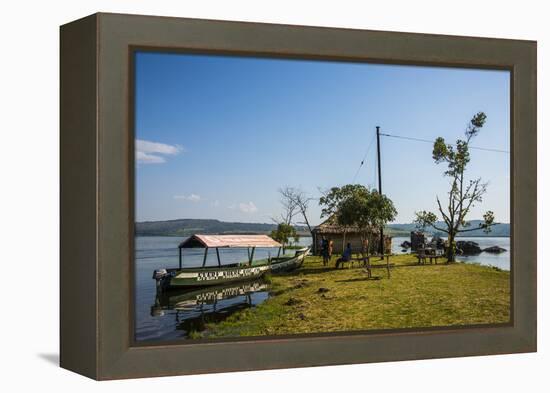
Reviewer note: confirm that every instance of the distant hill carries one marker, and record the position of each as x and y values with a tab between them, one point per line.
499	230
189	226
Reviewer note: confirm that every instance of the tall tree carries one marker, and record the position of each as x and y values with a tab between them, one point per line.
367	211
463	194
331	200
354	205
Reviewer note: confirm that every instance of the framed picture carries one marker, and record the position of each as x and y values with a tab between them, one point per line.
242	196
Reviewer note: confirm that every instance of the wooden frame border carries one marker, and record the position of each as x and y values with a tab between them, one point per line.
97	195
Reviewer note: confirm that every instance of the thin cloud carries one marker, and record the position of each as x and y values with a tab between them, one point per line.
249	207
148	152
190	197
144	158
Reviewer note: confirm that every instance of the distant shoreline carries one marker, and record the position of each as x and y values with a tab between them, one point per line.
188	226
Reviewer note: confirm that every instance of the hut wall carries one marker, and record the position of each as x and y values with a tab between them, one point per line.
339	243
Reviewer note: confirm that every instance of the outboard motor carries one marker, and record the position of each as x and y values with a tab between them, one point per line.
157	311
159	275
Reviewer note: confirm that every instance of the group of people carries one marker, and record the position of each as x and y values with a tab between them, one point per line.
326	252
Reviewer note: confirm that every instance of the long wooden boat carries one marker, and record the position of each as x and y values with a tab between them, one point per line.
223	274
194	308
190	299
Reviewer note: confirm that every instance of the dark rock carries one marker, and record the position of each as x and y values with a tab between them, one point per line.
323	290
406	244
494	249
437	242
468	247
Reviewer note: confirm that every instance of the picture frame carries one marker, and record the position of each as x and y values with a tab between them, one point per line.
97	195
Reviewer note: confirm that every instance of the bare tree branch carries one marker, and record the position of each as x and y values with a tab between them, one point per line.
445	217
478	228
294	202
288	203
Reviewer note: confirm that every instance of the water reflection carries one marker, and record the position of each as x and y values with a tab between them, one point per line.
193	309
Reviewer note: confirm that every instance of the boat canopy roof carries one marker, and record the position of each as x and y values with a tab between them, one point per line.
228	241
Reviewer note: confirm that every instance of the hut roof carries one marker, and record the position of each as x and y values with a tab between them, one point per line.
330	226
229	241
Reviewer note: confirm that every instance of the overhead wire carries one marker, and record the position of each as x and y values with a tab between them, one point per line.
410	139
363	160
430	141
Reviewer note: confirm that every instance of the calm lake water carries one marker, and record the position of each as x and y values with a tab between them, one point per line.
501	260
175	314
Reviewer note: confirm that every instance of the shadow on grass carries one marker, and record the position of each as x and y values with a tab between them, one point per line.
375	278
423	265
309	270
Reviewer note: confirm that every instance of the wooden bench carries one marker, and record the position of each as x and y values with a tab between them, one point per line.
366	262
423	256
350	262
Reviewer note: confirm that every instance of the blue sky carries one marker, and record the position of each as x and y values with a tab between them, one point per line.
216	136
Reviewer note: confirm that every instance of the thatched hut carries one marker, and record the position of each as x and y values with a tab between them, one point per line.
340	236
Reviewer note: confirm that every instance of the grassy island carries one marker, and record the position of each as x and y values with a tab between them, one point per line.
316	299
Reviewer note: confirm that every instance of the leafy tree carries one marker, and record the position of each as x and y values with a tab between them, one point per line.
366	210
354	205
284	233
463	195
331	200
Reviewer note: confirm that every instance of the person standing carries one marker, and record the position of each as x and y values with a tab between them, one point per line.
365	249
330	248
324	251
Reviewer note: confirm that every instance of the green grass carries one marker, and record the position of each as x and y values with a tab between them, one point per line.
414	297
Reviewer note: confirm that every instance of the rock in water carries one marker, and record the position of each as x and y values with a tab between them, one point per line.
406	244
437	242
468	247
494	249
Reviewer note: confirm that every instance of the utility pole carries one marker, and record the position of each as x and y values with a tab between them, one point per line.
380	187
